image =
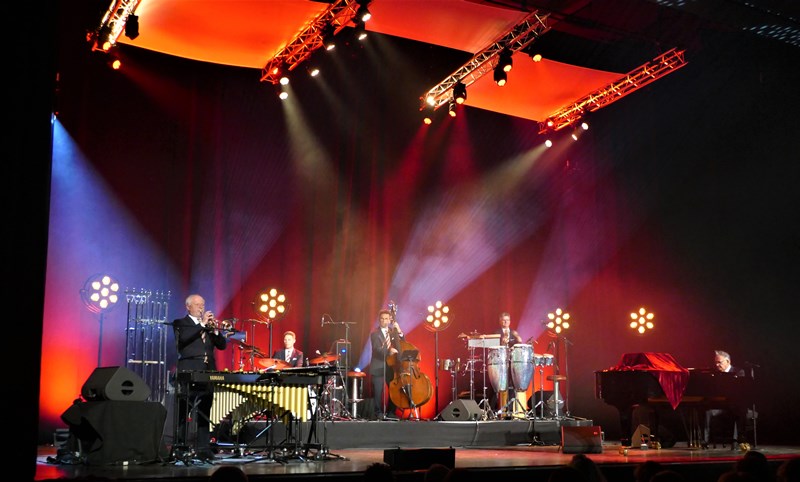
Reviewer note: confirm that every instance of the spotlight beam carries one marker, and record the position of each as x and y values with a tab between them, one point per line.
517	38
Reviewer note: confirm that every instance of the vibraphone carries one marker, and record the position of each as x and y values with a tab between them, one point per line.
240	396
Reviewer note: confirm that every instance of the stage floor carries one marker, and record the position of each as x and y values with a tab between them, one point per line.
514	449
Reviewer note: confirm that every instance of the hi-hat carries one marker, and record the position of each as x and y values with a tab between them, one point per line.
325	358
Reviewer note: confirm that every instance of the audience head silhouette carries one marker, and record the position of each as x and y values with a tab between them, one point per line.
379	472
228	473
436	473
587	467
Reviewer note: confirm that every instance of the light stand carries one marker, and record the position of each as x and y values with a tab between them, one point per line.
438	319
565	342
100	294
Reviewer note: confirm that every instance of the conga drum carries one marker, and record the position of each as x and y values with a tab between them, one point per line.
521	366
522	363
497	367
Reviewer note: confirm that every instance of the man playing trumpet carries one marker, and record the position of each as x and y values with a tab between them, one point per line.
196	337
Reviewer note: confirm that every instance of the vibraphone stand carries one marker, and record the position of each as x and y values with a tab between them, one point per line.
181	450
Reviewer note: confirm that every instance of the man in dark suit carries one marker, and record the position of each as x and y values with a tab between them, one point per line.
289	354
734	416
385	341
508	338
196	337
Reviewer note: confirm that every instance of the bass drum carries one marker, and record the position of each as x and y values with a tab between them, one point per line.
497	367
521	366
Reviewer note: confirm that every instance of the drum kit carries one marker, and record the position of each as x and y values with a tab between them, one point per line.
336	401
519	360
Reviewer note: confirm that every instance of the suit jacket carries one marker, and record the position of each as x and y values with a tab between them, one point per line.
296	360
191	349
380	355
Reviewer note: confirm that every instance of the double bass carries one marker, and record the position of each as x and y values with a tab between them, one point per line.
410	388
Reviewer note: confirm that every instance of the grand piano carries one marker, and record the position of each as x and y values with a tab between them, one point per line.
660	385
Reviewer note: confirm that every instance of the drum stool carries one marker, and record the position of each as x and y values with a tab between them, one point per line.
556	379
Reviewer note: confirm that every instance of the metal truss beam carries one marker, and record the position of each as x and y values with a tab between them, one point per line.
112	24
634	80
337	15
517	38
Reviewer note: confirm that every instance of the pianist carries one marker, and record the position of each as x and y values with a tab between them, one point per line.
727	419
196	337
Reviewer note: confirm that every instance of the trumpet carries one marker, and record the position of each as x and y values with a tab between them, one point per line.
213	324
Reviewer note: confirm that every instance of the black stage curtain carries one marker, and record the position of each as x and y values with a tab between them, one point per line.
112	432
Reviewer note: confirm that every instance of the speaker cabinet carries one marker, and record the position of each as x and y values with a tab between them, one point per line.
581	440
417	459
461	410
116	384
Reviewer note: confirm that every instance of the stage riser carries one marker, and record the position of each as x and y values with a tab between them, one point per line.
411	434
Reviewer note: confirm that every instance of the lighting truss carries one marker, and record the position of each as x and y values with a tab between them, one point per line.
517	38
338	14
112	24
660	66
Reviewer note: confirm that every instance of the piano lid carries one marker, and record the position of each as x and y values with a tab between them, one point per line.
670	374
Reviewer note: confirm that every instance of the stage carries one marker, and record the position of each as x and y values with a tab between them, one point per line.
341	450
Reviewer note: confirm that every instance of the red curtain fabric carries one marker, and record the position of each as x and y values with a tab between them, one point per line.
670	374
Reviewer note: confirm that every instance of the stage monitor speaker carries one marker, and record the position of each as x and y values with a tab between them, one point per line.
417	459
114	383
581	440
461	410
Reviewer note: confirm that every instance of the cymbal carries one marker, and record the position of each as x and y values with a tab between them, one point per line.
325	358
248	349
272	363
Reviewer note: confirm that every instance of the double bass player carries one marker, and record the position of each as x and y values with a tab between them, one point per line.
385	341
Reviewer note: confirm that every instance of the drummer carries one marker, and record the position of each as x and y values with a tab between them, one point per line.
289	354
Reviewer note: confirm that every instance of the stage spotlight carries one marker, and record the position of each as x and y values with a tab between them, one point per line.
328	40
500	76
132	26
271	304
451	109
438	317
536	57
505	62
642	321
559	321
548	143
312	70
100	293
363	14
427	114
361	30
460	92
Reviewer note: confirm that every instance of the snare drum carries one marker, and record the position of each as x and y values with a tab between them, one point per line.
497	365
521	366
